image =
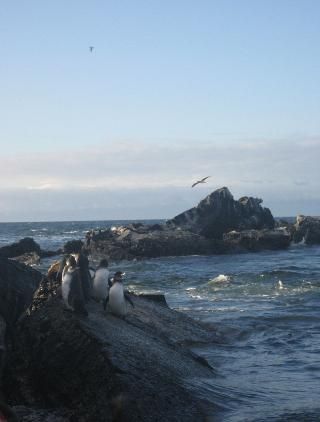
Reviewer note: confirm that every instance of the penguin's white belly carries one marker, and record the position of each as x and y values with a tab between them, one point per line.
117	302
100	284
66	287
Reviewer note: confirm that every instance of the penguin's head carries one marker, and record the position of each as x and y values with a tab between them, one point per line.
71	261
104	263
118	276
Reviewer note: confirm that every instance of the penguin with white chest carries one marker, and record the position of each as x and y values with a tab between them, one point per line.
101	281
72	293
117	298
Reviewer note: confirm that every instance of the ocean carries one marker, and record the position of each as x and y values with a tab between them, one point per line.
265	307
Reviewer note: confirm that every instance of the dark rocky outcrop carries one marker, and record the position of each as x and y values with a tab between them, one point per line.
307	229
72	246
257	240
25	245
17	285
203	230
26	251
18	282
130	242
219	213
105	368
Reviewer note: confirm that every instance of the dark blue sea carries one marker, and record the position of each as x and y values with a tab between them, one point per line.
266	310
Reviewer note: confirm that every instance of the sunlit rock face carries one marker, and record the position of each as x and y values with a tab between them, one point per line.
219	213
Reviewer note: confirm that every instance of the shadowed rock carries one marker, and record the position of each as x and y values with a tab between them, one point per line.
219	213
17	285
307	229
105	368
26	245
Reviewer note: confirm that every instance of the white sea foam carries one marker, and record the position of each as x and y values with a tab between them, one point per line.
221	278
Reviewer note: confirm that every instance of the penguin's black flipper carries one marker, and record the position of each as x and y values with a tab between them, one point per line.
105	303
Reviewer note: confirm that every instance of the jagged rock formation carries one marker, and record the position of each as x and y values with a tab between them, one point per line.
307	229
202	230
105	368
219	213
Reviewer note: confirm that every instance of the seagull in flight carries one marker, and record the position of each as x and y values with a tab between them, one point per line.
200	181
91	48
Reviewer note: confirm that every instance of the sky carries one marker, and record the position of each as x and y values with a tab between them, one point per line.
173	91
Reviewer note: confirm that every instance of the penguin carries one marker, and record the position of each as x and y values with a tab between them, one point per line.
117	297
72	293
101	281
86	282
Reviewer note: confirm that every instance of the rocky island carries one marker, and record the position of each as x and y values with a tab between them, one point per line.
219	224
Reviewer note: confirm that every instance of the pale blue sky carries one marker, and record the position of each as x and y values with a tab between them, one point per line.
222	77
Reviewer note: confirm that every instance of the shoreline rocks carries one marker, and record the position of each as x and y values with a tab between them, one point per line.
26	251
105	368
17	285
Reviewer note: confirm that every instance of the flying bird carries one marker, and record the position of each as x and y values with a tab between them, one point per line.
200	181
91	48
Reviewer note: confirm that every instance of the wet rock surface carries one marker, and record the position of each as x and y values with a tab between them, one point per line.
105	368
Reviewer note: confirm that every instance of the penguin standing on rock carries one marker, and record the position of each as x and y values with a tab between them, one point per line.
101	281
72	292
83	264
117	297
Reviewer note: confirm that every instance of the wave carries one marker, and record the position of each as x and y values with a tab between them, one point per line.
221	278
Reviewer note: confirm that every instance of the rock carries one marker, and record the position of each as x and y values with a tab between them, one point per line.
73	246
307	229
105	368
219	213
26	251
17	285
30	258
18	282
257	240
26	245
128	243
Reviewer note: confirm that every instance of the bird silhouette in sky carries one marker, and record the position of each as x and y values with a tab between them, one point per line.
91	48
200	181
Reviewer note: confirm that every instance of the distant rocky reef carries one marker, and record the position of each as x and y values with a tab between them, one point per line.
219	224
